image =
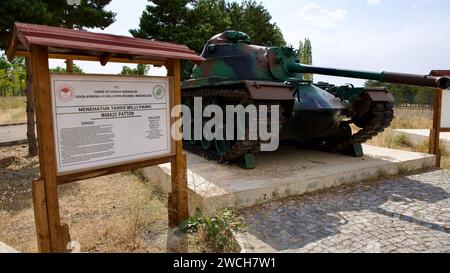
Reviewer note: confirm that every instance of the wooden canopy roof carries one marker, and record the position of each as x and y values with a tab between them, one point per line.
440	73
73	44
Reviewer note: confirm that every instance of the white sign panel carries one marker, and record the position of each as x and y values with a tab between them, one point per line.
103	120
445	109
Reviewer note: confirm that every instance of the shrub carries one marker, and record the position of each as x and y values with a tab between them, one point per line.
216	231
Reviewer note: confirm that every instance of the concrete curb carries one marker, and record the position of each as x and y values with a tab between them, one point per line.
248	243
7	249
420	136
13	124
14	142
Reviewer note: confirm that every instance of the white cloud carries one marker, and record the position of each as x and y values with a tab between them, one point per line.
314	15
422	3
402	50
374	2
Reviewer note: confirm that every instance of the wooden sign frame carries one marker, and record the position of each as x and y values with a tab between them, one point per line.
71	176
435	132
39	43
53	236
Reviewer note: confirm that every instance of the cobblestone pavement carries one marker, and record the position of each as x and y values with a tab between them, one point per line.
410	214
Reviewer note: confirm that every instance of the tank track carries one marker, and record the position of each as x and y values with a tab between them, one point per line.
378	118
374	122
238	148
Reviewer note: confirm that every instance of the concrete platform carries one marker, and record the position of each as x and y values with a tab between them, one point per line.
419	136
287	172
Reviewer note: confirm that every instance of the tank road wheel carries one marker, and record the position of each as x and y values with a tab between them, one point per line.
206	144
345	132
192	141
378	118
222	147
223	151
337	142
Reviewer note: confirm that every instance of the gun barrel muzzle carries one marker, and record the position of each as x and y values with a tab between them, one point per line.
389	77
420	80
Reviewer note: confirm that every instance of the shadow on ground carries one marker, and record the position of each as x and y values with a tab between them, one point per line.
363	210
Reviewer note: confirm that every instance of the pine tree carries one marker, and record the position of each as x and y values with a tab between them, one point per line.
306	58
89	14
300	51
140	70
193	22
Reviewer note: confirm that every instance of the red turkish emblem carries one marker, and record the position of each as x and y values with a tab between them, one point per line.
65	93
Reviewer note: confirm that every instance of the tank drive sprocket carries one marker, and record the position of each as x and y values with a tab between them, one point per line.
374	122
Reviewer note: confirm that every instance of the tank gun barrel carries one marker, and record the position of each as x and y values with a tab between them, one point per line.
388	77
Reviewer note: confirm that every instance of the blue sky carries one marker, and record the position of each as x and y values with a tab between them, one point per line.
395	35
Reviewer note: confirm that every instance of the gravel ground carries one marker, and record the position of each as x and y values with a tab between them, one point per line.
409	214
115	213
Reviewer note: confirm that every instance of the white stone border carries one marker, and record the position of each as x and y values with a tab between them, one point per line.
7	249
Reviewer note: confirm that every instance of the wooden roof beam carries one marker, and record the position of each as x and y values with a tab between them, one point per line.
104	59
94	58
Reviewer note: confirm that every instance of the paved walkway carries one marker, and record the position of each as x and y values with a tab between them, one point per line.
10	135
410	214
420	136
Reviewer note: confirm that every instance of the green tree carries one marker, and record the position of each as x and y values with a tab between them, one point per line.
425	96
13	76
89	14
164	20
140	70
59	69
305	56
406	95
209	18
255	20
5	82
193	22
300	51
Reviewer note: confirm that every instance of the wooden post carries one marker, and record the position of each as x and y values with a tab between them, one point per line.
40	216
69	66
436	130
178	199
47	155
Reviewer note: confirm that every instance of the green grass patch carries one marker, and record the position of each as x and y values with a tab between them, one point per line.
402	140
216	231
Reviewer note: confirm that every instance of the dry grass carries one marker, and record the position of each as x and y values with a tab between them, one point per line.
409	118
116	213
12	110
412	118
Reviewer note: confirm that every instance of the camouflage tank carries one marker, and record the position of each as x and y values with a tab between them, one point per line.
238	72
